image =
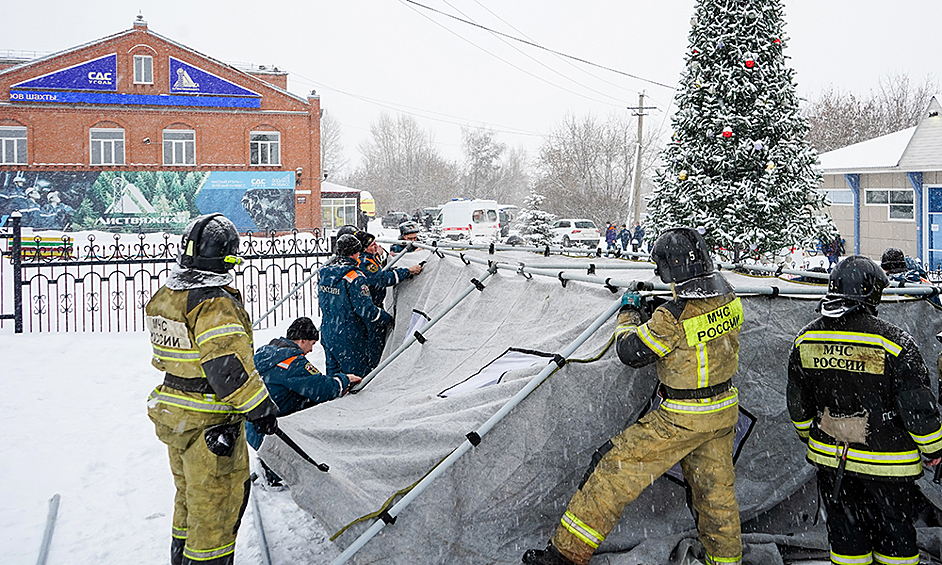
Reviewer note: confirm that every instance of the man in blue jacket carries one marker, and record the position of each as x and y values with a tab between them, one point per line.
293	383
348	315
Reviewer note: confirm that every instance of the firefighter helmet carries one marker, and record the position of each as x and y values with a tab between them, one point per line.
855	281
681	254
366	239
210	243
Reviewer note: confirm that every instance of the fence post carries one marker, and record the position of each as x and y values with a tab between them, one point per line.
16	250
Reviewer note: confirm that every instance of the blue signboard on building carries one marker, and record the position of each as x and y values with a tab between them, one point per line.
118	98
187	79
97	74
254	201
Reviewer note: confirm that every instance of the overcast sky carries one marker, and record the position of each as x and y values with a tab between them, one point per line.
366	57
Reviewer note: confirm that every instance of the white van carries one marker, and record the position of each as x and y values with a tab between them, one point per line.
469	219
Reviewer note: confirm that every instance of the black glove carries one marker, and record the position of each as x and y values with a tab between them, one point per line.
266	425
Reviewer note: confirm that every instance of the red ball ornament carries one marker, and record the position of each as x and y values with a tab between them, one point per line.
727	132
777	41
750	63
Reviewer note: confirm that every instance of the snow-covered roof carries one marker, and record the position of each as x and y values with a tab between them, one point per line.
331	187
882	152
918	148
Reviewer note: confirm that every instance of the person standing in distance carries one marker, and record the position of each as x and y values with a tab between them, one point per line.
348	315
858	395
202	340
695	423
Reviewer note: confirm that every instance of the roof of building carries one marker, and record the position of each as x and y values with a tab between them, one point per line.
918	148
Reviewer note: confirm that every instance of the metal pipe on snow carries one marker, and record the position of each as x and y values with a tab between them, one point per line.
480	432
413	338
262	540
50	528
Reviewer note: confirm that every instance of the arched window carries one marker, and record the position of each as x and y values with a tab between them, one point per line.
179	147
265	148
106	146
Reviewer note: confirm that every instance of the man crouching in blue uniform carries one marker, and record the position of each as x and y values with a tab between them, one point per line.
348	315
293	383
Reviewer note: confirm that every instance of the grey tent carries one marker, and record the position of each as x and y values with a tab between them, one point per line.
507	492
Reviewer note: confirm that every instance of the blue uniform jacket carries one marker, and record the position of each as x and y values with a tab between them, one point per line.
293	383
378	279
348	317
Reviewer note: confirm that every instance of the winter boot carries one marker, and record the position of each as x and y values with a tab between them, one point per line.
548	556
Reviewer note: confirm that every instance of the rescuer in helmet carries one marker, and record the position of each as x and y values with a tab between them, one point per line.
408	231
202	340
858	395
694	340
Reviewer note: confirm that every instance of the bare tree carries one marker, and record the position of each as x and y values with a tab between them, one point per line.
491	171
838	119
401	167
333	161
586	167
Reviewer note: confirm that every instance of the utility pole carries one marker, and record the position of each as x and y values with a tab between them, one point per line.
636	193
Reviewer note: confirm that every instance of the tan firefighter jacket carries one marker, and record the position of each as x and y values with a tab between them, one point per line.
695	342
202	339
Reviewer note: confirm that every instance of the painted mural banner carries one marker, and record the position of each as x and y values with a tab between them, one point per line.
146	201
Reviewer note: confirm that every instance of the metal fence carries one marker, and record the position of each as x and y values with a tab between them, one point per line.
103	286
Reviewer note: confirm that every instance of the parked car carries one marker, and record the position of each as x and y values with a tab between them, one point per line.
571	232
393	219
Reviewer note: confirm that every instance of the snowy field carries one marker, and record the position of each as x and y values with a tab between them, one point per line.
74	423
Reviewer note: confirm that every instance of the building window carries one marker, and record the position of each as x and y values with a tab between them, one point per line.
901	203
179	147
12	146
839	197
336	212
265	148
143	69
107	146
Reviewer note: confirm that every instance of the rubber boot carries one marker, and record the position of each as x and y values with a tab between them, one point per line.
548	556
176	551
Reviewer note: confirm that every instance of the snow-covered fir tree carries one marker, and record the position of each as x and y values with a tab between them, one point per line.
738	164
535	223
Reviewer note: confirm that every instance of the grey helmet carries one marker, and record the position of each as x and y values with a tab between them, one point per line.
210	243
856	282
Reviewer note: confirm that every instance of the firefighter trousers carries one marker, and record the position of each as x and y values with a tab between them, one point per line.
870	521
703	443
210	467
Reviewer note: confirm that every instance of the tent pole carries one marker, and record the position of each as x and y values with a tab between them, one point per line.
479	433
476	285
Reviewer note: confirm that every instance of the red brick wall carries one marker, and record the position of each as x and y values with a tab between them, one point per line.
58	134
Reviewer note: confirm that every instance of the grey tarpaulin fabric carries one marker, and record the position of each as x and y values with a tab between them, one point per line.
508	493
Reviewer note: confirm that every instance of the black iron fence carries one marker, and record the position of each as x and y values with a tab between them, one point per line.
93	285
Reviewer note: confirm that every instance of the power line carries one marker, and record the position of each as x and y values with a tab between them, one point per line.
508	62
538	46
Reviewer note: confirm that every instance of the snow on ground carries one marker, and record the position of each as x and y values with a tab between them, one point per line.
74	422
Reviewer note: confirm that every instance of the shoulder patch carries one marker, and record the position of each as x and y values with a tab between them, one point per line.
310	369
364	290
351	276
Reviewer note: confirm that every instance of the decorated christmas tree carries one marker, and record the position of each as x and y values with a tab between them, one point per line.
738	164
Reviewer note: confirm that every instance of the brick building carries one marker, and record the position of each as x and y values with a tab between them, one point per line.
135	132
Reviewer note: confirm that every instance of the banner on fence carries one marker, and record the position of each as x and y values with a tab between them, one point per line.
147	201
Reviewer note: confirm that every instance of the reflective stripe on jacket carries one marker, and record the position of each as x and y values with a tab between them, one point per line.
861	380
205	334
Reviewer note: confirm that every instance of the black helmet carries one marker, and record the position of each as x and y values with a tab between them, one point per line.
681	254
855	281
365	238
408	228
893	261
348	245
210	243
303	328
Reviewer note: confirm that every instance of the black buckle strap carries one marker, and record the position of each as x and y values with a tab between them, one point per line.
695	393
200	385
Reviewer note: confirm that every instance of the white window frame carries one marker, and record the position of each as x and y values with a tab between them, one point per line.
846	194
146	75
13	146
265	152
110	149
889	203
179	152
